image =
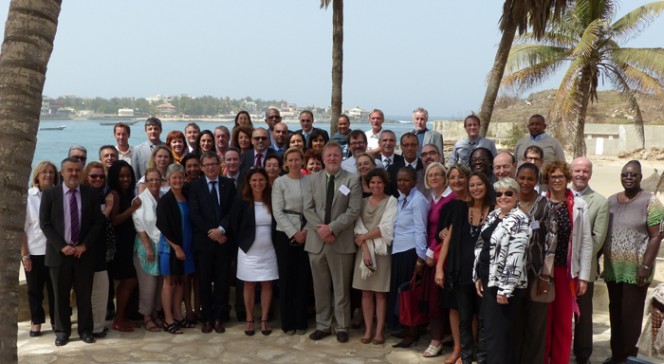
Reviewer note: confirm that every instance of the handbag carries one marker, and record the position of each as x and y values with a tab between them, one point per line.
413	305
547	297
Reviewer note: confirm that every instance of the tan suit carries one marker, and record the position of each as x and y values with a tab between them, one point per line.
332	264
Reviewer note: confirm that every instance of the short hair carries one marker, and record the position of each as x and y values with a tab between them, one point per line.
432	166
39	168
223	128
152	170
379	111
307	112
529	166
489	196
534	148
296	135
113	178
237	116
232	149
507	182
175	134
363	154
274	156
174	168
260	129
157	148
88	167
333	144
247	194
471	116
512	158
318	133
388	131
461	168
556	164
108	146
633	162
193	125
431	145
77	147
187	157
537	116
122	125
154	122
422	110
486	151
343	116
355	134
209	154
380	172
69	160
411	172
410	135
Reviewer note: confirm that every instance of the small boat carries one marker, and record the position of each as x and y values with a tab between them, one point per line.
54	127
107	123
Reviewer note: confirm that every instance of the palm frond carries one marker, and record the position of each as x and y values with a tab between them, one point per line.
634	22
619	80
325	3
588	42
650	60
531	76
642	82
566	100
534	13
526	55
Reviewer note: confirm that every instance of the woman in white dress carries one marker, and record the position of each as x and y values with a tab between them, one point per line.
256	258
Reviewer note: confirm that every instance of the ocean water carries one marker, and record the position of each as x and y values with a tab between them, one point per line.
53	145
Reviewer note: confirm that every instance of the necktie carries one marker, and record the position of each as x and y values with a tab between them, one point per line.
73	216
215	199
329	197
387	162
405	201
259	156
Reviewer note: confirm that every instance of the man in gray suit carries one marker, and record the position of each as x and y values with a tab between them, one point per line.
424	135
331	207
143	151
598	214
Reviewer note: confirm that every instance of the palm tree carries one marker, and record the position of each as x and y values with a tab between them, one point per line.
26	49
517	16
589	42
337	58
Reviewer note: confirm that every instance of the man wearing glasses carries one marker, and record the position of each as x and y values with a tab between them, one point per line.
79	152
357	142
256	157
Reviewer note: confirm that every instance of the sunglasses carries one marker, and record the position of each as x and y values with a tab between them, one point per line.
260	138
273	117
629	175
506	193
96	176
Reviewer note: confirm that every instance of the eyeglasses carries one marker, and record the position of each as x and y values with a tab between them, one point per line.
274	117
357	143
82	159
508	193
154	180
209	165
629	175
96	176
533	159
259	138
557	177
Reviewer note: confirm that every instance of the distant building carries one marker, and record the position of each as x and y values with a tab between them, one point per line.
358	113
166	109
126	113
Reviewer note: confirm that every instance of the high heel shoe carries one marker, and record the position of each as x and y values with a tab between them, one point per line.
455	357
406	342
265	328
249	331
433	351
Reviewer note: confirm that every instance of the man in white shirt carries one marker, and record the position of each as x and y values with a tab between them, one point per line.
221	138
357	142
376	119
122	132
191	133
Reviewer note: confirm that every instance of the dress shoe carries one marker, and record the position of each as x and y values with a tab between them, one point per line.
318	335
61	340
300	332
219	327
207	328
99	335
342	336
35	333
88	338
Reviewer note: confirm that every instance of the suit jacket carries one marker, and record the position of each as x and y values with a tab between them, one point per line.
140	157
435	138
203	216
598	214
247	159
244	224
308	142
393	169
52	223
345	210
396	159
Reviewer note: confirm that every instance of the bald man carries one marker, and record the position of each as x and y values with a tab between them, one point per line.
598	214
504	165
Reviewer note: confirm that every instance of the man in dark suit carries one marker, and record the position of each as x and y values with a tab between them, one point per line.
256	157
70	217
307	125
331	207
210	200
391	162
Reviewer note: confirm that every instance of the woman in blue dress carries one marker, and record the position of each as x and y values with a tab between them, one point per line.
175	253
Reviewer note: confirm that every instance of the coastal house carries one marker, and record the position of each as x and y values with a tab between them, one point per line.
166	109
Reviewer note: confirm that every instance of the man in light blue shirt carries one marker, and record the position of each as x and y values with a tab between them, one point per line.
463	148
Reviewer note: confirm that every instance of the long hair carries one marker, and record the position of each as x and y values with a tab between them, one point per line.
247	193
489	198
114	178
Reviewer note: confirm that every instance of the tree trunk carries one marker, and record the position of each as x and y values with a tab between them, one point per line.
496	75
337	62
584	95
26	49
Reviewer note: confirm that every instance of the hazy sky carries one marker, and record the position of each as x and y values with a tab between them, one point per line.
398	55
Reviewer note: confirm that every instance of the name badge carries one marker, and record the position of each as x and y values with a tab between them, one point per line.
344	190
534	224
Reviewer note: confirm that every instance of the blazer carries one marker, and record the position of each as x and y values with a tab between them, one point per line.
598	216
247	159
345	210
52	223
582	244
169	219
435	138
203	217
393	170
140	157
244	224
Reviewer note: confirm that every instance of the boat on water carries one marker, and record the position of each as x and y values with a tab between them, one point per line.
54	127
107	123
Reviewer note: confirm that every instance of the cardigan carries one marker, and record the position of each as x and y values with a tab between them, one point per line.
169	220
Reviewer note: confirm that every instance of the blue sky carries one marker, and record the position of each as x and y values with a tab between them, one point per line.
398	55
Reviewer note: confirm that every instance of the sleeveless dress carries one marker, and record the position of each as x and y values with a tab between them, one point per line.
259	264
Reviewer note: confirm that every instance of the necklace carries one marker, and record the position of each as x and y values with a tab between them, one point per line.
474	229
627	199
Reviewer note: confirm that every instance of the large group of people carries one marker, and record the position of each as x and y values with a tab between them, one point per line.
504	246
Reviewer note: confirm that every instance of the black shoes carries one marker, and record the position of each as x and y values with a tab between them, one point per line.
61	340
318	335
342	336
88	338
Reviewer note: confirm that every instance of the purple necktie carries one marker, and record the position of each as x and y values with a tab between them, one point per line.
259	157
73	215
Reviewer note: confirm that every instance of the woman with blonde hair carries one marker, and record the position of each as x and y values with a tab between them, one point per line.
161	158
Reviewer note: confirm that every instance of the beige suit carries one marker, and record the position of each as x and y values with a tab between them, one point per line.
332	264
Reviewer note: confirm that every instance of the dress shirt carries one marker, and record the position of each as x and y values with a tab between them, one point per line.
386	164
234	178
412	164
579	193
34	234
126	156
216	186
372	139
463	148
66	211
349	166
410	225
